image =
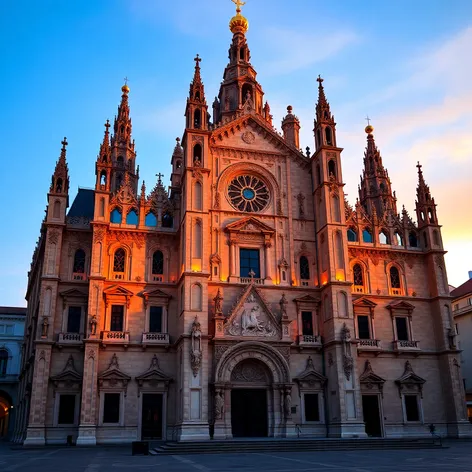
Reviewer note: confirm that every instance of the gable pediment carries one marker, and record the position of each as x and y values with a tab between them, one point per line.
117	292
310	377
156	294
364	302
401	305
113	377
251	317
369	376
73	293
307	299
68	376
249	225
153	375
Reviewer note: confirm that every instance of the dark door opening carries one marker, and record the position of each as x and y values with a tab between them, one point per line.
151	425
249	413
371	409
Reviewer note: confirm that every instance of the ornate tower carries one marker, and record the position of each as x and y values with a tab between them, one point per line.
196	112
345	413
103	173
58	196
291	128
123	155
239	88
375	191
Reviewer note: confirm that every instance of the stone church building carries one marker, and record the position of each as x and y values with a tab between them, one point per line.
247	298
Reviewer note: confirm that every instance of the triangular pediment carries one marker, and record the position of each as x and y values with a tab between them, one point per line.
364	302
153	374
125	194
409	377
249	225
310	376
369	376
156	294
401	305
251	317
251	132
69	373
73	293
118	290
113	371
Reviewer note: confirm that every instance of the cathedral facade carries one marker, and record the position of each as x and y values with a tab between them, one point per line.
247	299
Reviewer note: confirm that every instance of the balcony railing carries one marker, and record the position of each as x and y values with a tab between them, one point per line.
396	291
248	280
406	345
368	345
309	340
116	337
156	338
70	338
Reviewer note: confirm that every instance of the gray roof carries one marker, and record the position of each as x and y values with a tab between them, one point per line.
83	204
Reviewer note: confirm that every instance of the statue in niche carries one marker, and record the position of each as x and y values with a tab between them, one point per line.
283	306
288	405
218	303
93	325
219	405
45	327
196	347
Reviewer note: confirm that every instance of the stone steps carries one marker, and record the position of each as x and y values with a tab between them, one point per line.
290	445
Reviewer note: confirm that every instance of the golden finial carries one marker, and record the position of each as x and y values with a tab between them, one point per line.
125	88
369	129
238	24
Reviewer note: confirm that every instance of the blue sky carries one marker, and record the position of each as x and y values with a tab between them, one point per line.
406	64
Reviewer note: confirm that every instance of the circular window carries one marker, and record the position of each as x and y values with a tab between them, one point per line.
248	193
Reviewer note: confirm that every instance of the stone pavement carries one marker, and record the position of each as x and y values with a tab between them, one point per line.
458	458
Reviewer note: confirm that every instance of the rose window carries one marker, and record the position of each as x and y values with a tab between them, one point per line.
248	193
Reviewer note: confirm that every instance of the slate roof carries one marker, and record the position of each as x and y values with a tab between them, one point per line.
83	204
462	290
12	310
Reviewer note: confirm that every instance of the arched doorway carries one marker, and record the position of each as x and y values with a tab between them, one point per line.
5	406
252	392
250	384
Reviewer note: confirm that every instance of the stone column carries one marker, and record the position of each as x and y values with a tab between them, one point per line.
267	246
219	413
232	260
89	401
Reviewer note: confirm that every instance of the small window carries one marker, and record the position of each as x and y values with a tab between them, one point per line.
384	237
312	408
74	316
155	319
307	323
167	220
132	218
401	324
456	307
151	219
304	268
103	178
436	237
431	216
66	409
329	136
358	276
363	327
197	196
119	261
331	167
352	235
117	317
367	235
197	119
56	210
111	408
78	270
398	238
395	282
3	362
318	136
115	216
158	264
101	208
196	297
425	240
412	239
411	408
249	264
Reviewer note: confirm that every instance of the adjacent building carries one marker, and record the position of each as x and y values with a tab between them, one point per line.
12	328
462	311
246	299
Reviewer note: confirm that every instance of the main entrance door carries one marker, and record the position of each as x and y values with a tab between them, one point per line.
249	412
371	409
151	424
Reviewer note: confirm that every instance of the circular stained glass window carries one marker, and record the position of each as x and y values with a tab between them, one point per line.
248	193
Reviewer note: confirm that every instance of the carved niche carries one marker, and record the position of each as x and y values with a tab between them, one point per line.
249	371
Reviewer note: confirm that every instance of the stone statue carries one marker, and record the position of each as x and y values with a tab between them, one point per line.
45	327
288	405
219	405
196	347
93	325
250	322
218	303
283	306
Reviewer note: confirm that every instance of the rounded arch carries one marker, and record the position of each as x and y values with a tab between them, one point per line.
117	245
230	172
272	358
395	278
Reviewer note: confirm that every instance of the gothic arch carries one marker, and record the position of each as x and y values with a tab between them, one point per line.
255	169
264	353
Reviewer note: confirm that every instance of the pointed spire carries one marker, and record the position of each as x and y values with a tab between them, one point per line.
178	149
425	204
122	125
104	154
422	190
323	112
197	89
143	192
60	178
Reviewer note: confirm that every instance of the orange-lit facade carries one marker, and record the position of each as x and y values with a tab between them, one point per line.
247	298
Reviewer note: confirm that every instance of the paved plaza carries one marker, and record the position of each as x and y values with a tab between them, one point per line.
457	458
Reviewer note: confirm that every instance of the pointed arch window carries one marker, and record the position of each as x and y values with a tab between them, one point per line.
367	235
157	266
151	219
335	209
119	263
436	237
197	119
395	281
197	240
413	239
197	196
103	179
167	220
56	213
329	136
78	269
304	270
358	274
59	185
384	237
352	235
132	218
398	238
196	297
332	167
431	216
197	155
115	216
3	362
101	208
